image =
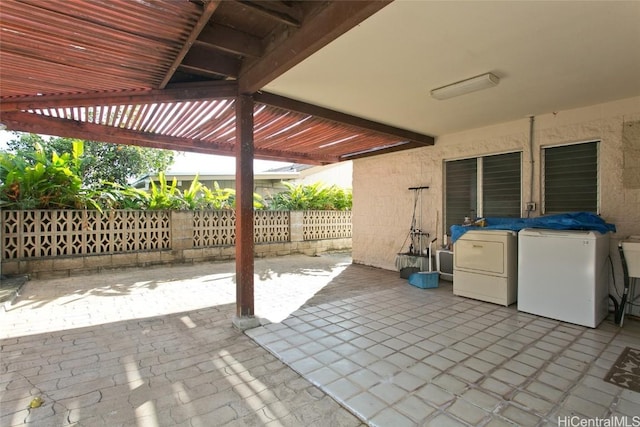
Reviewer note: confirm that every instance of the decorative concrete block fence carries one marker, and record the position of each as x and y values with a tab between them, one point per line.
70	242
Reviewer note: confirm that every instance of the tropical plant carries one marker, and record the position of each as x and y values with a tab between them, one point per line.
40	181
101	161
164	195
342	198
258	203
315	196
40	178
225	198
218	198
115	196
192	196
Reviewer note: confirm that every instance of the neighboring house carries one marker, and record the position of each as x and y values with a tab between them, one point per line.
338	174
266	183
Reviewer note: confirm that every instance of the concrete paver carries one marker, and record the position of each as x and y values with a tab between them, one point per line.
155	347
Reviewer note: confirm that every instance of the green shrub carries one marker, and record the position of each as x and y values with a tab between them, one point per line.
35	180
311	197
42	182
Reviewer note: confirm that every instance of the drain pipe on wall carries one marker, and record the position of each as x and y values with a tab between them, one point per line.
531	205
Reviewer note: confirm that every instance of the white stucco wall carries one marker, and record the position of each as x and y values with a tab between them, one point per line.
338	174
383	204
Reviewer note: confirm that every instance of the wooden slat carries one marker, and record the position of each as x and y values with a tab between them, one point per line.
27	122
336	116
77	46
212	90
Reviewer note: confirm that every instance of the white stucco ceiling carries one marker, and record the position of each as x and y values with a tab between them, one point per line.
550	56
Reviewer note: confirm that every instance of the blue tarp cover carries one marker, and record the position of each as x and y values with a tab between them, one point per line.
567	221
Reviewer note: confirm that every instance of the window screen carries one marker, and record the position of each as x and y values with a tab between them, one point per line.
461	190
571	178
501	179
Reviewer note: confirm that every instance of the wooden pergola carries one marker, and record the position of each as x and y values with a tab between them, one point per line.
185	75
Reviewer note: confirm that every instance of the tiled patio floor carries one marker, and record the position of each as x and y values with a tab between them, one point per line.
402	356
156	347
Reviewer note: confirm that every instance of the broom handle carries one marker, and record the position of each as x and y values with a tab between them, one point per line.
437	221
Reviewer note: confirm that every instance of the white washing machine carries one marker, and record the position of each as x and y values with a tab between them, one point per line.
563	275
485	266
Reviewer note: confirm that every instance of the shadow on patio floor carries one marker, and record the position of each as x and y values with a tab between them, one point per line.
157	355
156	346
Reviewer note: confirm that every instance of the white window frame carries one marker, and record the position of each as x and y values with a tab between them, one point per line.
479	211
543	170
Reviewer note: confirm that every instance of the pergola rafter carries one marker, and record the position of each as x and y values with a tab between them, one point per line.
185	75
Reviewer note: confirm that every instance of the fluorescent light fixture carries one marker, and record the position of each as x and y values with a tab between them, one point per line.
483	81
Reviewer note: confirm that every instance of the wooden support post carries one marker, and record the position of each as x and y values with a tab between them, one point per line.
244	214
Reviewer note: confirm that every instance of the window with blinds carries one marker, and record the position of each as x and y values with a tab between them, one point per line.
571	178
460	190
488	186
501	185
